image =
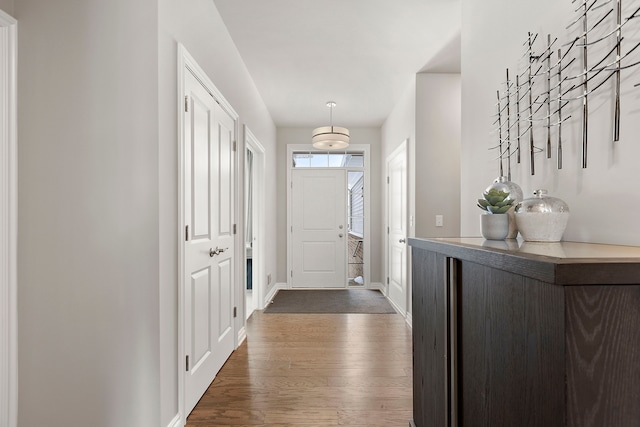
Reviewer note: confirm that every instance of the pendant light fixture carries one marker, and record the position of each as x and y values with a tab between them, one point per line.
330	137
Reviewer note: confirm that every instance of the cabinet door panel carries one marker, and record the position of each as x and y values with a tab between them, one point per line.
603	349
429	339
511	349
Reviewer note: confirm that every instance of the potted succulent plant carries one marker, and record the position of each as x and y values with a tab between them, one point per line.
515	193
494	224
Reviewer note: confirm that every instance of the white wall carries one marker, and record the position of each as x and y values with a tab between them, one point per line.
7	6
369	136
198	26
603	198
98	201
437	154
399	126
88	204
428	115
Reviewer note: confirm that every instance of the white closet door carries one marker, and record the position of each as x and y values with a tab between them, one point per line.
209	245
397	223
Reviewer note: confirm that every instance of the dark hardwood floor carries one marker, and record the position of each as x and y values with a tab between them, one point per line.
314	370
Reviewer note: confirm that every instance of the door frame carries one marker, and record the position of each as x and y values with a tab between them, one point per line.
366	150
8	222
403	147
259	219
187	64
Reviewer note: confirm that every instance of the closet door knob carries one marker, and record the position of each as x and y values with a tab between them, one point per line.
216	251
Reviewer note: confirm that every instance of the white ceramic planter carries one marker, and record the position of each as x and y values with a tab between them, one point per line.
494	226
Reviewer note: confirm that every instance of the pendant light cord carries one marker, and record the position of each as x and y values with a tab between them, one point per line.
331	117
331	104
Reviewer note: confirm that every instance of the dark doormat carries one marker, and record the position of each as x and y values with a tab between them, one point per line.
365	301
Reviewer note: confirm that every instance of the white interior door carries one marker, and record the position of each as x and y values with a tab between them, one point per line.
319	228
209	241
397	223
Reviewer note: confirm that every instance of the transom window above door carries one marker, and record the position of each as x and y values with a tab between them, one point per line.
328	160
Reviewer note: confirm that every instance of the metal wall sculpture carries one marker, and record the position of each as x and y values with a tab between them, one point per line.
528	108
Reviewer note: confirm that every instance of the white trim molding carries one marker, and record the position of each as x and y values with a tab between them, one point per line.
8	223
259	220
380	287
272	294
396	308
242	336
176	422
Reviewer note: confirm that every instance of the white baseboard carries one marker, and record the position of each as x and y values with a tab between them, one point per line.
382	288
395	307
409	319
176	421
242	335
273	292
378	286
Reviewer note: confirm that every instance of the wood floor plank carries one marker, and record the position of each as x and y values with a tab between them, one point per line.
314	370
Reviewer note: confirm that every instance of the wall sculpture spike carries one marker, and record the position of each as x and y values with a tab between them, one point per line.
616	114
549	96
585	80
500	134
559	147
532	164
508	98
518	118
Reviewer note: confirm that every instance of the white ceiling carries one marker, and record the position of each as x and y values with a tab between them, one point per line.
362	54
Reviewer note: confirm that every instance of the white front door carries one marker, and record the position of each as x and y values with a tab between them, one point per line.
397	227
319	228
209	241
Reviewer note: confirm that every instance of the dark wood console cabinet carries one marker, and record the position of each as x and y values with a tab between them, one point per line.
525	334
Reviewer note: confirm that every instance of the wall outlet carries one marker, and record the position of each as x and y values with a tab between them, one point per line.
439	221
269	279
